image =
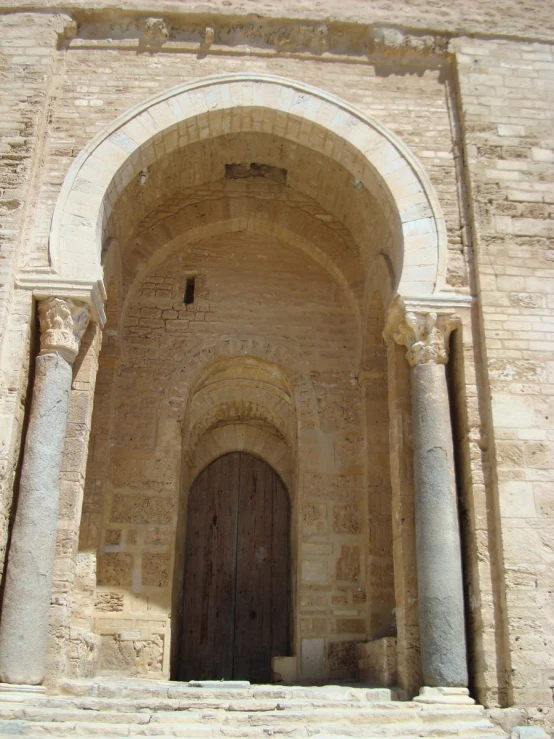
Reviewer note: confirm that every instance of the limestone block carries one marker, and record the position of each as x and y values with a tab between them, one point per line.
347	519
157	536
131	537
115	569
128	508
137	469
317	549
315	570
377	661
314	519
112	537
312	664
131	654
351	625
348	564
331	487
341	657
284	669
82	653
155	569
506	718
348	449
528	732
109	602
149	655
116	655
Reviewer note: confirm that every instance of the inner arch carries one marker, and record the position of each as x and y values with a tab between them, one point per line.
299	114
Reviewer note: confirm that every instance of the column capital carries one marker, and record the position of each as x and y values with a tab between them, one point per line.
425	336
423	329
63	322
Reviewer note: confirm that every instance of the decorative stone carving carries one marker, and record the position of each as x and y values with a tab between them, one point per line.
155	30
62	325
425	336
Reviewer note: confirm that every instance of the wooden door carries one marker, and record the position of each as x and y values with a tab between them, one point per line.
236	591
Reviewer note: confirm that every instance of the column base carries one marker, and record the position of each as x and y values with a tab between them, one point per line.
11	692
452	696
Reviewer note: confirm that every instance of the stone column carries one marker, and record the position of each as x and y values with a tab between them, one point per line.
26	604
439	565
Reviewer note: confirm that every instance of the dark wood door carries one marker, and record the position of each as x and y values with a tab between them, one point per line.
236	591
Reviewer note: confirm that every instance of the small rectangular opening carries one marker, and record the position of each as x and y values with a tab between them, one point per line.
189	291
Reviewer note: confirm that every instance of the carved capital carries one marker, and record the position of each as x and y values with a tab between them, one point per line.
62	325
425	336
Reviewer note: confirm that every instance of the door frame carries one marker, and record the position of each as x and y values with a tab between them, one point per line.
189	474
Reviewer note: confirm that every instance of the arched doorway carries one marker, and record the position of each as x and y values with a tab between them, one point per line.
236	591
285	224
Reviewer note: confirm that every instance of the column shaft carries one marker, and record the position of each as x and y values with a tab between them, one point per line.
26	604
439	566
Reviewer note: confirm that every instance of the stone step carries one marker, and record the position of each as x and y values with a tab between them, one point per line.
112	731
70	713
219	689
134	708
248	705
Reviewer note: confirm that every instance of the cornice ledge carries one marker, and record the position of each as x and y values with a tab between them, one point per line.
47	284
449	305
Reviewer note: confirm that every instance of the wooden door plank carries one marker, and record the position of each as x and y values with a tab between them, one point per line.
262	556
209	581
281	571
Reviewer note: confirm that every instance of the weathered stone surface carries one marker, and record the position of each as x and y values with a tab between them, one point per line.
113	537
82	653
348	564
330	487
116	569
347	519
27	593
290	265
155	569
342	658
439	567
528	732
314	570
157	536
144	509
109	602
314	519
351	625
377	661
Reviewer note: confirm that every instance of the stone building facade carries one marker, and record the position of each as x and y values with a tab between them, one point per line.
318	234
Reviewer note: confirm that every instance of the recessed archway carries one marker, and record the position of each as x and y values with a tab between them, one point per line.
289	211
300	115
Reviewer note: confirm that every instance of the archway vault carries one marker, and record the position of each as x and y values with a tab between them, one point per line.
216	106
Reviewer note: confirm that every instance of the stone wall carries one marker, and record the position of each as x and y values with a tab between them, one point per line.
28	64
95	79
477	114
509	142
